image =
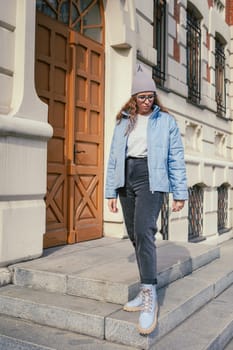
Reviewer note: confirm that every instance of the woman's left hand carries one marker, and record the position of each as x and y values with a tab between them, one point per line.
177	205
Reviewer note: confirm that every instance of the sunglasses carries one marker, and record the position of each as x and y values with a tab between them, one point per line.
143	98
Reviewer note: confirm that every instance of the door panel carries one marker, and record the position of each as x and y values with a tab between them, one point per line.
70	79
88	137
52	65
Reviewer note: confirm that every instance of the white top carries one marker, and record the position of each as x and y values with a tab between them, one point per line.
137	140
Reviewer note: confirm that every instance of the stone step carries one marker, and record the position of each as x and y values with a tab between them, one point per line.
106	269
5	276
211	328
229	345
108	321
178	301
17	334
10	343
66	312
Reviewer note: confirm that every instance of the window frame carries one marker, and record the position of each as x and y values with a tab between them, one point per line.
223	200
220	71
160	41
193	26
195	213
71	14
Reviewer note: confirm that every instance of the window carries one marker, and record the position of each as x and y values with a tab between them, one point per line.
160	40
220	85
195	213
222	208
193	57
165	216
84	17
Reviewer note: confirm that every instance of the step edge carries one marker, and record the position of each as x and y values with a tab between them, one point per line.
13	309
25	342
202	303
225	331
209	287
223	338
64	281
205	295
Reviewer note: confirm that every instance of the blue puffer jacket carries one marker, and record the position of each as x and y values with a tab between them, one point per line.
165	157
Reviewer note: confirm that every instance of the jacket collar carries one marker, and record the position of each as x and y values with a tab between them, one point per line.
155	112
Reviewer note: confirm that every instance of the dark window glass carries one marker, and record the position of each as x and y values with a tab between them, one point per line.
222	208
160	40
165	216
220	94
193	58
195	213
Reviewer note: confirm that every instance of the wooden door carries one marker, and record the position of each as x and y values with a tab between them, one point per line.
52	68
86	183
70	79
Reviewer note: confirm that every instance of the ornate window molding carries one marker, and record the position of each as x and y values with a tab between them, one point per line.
193	136
220	141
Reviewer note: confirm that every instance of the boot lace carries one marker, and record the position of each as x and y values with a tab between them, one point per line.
147	300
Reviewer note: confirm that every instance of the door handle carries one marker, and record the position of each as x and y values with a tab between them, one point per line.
75	152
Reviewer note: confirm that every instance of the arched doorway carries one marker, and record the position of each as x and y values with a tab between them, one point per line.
70	79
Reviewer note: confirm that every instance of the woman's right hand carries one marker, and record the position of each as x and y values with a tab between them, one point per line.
112	205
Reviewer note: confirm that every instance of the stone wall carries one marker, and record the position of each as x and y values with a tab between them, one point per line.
207	138
23	137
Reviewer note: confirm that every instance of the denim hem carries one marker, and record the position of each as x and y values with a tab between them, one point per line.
154	281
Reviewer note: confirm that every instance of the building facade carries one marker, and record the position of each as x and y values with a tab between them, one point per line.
65	70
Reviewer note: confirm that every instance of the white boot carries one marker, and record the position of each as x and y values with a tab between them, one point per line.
135	304
149	314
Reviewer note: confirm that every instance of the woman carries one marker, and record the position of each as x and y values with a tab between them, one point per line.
146	159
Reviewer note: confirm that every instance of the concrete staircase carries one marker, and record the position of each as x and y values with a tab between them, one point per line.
72	298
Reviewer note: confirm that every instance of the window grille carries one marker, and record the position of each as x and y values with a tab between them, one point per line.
165	216
195	213
222	207
160	41
193	58
220	84
85	17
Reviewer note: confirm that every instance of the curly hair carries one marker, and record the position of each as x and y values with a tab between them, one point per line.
131	108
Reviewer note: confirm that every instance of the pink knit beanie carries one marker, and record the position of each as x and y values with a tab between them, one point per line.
142	82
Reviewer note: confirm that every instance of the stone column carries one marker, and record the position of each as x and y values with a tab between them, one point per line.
24	132
120	56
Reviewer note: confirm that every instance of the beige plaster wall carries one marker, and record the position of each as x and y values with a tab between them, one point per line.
23	137
207	138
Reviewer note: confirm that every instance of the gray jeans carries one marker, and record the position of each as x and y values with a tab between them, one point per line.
141	209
